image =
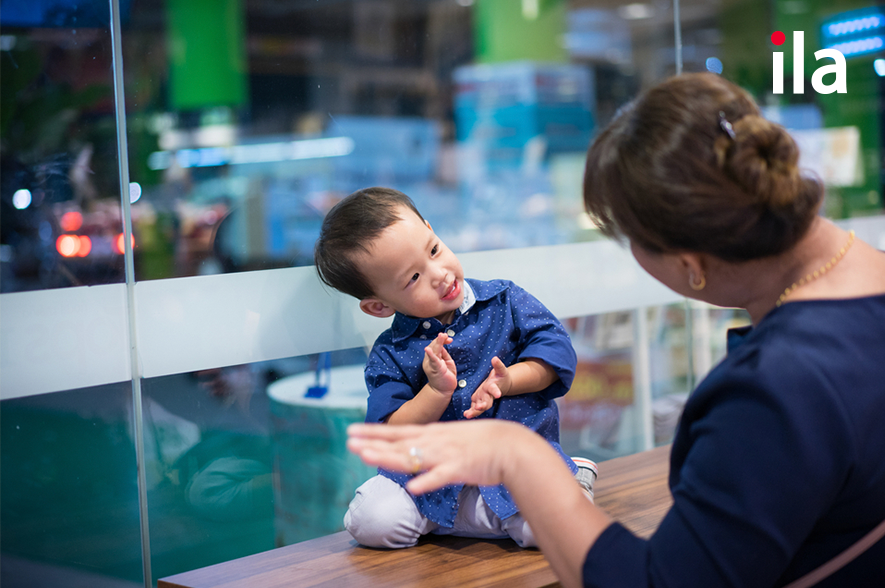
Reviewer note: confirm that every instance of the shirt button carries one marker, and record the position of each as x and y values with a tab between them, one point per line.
462	383
450	333
426	324
423	336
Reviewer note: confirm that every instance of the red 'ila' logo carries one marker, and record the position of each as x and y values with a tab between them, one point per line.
817	79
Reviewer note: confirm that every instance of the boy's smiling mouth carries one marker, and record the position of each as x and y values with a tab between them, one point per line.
453	291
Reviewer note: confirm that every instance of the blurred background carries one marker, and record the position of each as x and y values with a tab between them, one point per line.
155	415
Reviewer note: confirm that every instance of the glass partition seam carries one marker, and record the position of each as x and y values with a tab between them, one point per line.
642	377
689	341
704	362
677	33
123	163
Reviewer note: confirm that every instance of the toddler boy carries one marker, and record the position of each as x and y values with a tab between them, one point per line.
457	349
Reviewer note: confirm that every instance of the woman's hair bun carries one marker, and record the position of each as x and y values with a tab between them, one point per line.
692	165
763	159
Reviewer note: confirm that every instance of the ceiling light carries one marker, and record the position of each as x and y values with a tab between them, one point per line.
636	11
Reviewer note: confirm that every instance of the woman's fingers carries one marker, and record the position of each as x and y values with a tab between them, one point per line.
468	452
431	480
383	432
385	454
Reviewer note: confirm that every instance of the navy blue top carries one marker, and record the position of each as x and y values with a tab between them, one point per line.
778	463
496	318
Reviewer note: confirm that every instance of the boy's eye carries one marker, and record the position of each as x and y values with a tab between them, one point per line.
434	250
415	277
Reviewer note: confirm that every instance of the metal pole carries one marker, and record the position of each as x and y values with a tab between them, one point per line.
642	378
135	367
677	31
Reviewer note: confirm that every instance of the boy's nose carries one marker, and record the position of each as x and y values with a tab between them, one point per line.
440	277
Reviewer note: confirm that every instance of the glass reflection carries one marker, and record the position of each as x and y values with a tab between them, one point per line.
246	458
602	415
480	111
58	156
69	500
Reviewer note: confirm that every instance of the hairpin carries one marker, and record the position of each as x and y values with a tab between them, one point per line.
726	126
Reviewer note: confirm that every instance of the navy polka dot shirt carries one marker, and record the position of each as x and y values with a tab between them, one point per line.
497	318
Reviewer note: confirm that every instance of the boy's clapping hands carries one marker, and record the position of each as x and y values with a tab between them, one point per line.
442	375
495	385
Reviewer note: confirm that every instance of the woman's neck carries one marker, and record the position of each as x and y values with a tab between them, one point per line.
783	277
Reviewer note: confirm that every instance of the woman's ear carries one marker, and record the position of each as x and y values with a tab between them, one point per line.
376	308
695	267
692	262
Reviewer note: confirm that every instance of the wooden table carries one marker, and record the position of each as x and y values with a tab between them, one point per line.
632	489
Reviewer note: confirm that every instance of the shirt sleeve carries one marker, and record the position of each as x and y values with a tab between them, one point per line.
388	386
747	493
543	337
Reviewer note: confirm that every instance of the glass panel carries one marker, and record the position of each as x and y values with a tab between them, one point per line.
61	220
598	417
601	416
246	458
69	500
241	460
238	159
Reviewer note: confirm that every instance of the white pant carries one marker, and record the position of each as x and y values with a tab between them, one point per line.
383	514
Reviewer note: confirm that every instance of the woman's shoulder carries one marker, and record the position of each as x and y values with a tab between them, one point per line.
810	355
823	324
846	333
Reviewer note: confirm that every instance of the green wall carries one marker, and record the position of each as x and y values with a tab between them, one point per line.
511	30
207	56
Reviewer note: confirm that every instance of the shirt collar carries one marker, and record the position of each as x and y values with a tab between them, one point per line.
474	291
736	336
469	298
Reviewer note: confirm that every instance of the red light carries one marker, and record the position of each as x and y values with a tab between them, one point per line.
68	245
118	243
85	246
71	221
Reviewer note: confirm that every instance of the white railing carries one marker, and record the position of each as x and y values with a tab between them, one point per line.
55	340
71	338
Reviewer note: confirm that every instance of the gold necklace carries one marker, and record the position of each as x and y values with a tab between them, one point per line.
818	273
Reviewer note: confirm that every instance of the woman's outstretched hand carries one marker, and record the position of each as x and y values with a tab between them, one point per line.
443	453
488	452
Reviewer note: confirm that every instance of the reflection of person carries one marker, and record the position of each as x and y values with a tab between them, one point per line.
778	464
457	349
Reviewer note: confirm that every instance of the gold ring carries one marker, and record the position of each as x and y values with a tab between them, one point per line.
417	459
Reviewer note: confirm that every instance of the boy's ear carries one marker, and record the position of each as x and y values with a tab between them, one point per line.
376	308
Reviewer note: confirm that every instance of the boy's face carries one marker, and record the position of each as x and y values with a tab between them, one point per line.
412	271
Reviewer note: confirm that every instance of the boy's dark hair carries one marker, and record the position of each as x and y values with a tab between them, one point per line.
350	227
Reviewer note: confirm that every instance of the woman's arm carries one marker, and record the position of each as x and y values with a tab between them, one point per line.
491	452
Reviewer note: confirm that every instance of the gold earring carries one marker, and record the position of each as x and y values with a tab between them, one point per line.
700	285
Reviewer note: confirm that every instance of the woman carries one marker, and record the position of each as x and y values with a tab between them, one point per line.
778	464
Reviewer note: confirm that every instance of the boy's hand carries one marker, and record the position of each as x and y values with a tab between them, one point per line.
442	375
495	385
